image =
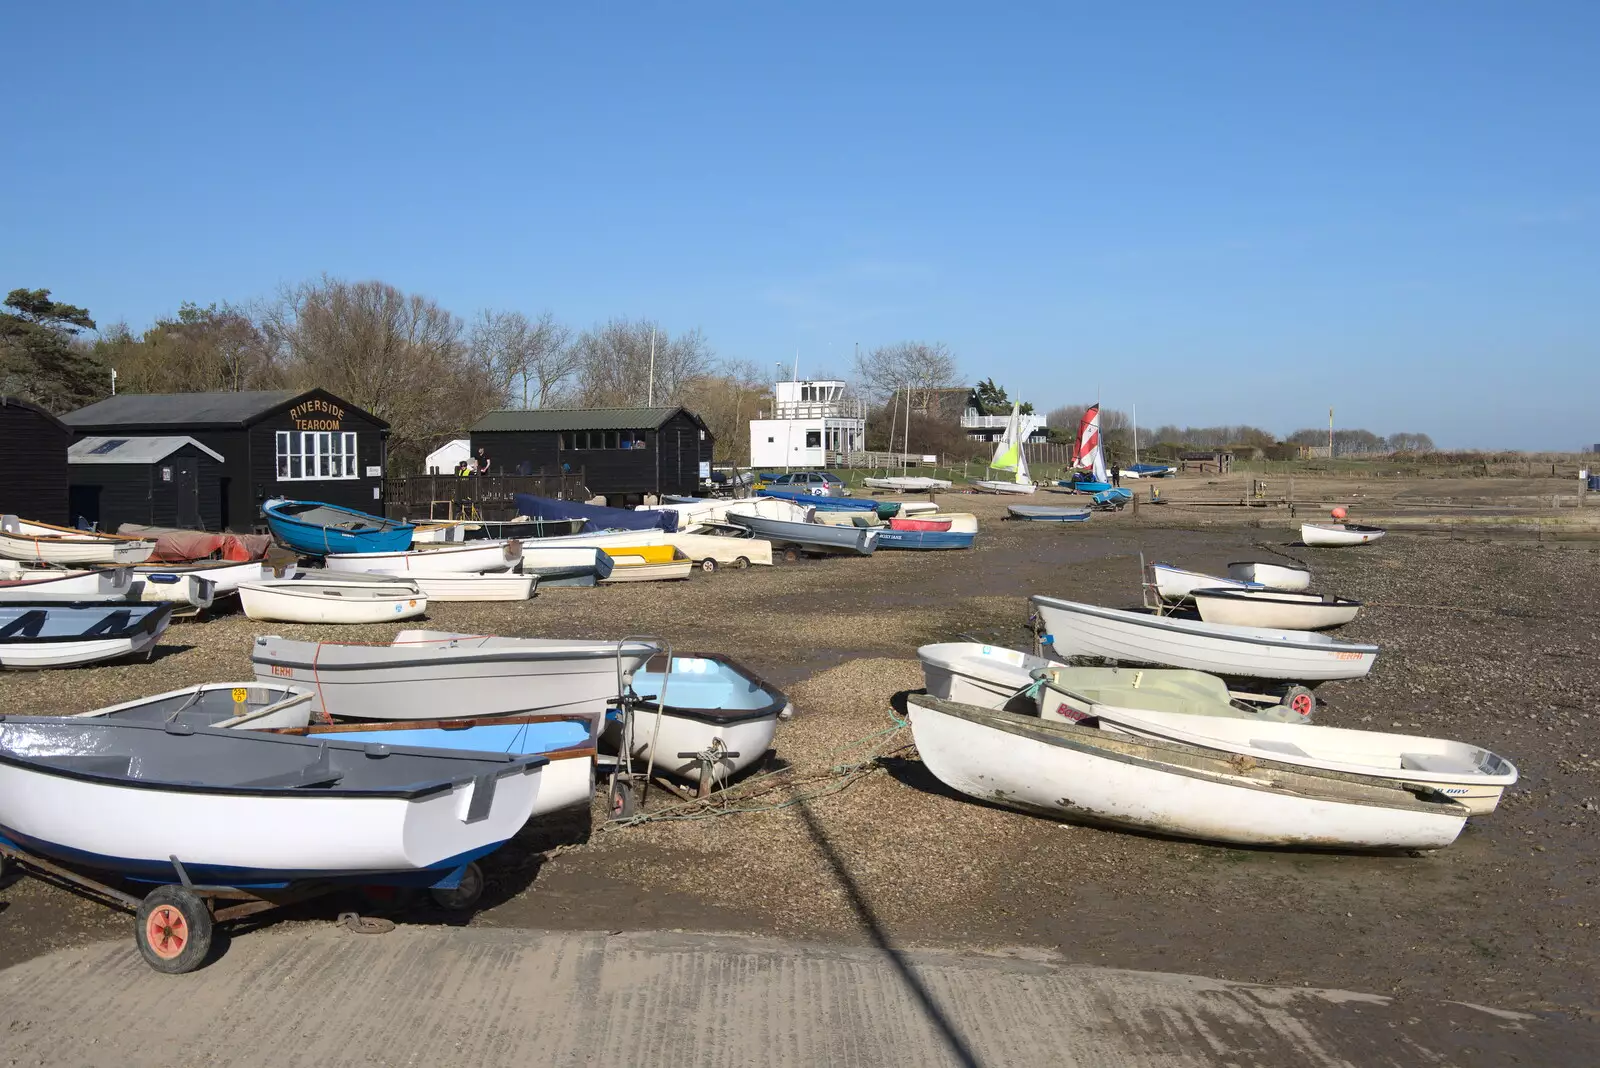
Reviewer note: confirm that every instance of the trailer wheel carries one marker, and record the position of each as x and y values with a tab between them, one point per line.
465	895
792	554
1300	700
741	563
709	566
173	930
621	799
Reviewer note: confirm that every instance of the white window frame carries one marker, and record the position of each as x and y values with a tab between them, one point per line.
317	453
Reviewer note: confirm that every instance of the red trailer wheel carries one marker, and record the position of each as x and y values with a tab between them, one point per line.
173	930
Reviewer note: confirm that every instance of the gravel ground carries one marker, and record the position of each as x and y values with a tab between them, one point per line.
1491	643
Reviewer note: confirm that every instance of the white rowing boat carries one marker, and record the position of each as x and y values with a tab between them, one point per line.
907	484
47	544
252	705
445	586
50	634
1176	584
1275	608
27	584
1272	576
226	576
1065	771
990	676
1332	535
1075	694
315	601
1246	652
1472	776
457	557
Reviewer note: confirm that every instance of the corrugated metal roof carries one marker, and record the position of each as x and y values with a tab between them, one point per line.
195	409
574	419
130	450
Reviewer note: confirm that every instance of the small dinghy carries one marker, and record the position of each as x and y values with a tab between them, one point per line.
1176	584
769	508
1465	773
795	538
1066	771
251	705
988	485
470	557
113	584
647	563
46	635
249	808
1275	608
1243	652
225	576
713	716
299	600
1075	694
722	545
427	674
436	588
920	523
1332	535
46	544
566	565
907	484
567	781
315	529
962	533
989	676
188	594
1271	576
1048	513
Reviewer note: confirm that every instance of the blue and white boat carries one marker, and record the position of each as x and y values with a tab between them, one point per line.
1113	498
315	529
889	538
1086	485
46	634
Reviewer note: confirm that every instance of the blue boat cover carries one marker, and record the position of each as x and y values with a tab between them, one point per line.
597	517
1145	469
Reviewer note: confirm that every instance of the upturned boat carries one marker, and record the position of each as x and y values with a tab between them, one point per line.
1067	771
225	576
437	588
312	528
50	634
907	484
43	543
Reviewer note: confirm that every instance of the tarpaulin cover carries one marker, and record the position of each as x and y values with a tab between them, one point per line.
185	546
597	517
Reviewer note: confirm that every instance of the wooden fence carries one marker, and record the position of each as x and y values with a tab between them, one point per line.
442	497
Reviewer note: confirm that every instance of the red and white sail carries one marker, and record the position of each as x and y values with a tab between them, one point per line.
1086	450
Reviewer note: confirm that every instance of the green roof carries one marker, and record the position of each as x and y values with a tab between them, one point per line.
576	419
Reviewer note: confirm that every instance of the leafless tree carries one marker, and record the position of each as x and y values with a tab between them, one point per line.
727	400
531	358
614	364
201	349
917	368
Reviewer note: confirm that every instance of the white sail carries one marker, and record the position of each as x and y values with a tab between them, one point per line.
1008	453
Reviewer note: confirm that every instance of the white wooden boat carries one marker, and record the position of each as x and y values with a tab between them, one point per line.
1272	576
470	557
1472	776
602	539
1066	771
723	550
1176	584
770	508
225	576
190	593
567	781
1048	513
249	807
1246	652
458	586
426	674
1330	535
112	584
924	509
907	483
721	714
989	676
1074	694
36	634
47	544
1275	608
252	705
313	601
986	485
809	537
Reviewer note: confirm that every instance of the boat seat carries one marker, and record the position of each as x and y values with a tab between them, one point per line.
1436	762
90	764
1272	745
111	624
318	774
27	625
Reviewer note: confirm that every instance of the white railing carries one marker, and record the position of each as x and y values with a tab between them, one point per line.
1030	424
834	409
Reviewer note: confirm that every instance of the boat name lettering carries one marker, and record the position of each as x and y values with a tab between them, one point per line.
286	672
1347	656
317	414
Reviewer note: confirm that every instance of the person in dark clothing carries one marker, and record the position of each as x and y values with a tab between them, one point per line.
1116	476
483	460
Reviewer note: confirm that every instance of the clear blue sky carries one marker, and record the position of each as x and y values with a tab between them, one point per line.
1219	212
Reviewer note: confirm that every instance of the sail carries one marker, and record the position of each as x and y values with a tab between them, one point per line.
1088	450
1008	453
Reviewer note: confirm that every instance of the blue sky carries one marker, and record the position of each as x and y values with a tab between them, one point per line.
1220	212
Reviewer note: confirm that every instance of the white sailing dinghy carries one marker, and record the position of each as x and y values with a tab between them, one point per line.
1066	771
319	601
1009	455
252	705
1272	576
47	544
1275	608
1333	535
1472	776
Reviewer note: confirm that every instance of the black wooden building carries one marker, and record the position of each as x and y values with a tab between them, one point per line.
623	453
152	481
299	444
33	462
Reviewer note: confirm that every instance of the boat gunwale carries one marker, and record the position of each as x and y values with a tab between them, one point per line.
476	654
718	715
147	622
1316	642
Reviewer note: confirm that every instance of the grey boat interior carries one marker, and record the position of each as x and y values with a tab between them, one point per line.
22	621
207	705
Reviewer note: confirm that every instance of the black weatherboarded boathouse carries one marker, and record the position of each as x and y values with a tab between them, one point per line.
33	462
623	453
162	482
299	444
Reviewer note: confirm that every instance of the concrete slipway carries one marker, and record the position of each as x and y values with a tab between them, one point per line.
325	996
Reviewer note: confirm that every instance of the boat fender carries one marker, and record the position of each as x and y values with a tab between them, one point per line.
376	750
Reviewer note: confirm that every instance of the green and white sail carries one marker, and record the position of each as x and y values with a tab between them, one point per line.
1008	454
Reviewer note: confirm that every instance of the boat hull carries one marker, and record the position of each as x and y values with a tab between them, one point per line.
83	586
984	485
1176	584
225	578
1336	535
1045	513
45	544
252	705
317	539
1277	610
713	706
69	635
1067	772
988	676
813	537
1271	576
925	540
310	601
466	558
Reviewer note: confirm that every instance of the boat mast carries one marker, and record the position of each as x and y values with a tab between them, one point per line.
904	465
1136	433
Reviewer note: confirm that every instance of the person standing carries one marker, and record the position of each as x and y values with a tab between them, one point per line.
1116	475
483	460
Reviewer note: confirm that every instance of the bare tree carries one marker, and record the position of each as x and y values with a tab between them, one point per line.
532	358
917	368
199	350
401	357
727	401
614	364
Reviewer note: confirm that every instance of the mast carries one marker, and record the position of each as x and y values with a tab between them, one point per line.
906	448
1136	433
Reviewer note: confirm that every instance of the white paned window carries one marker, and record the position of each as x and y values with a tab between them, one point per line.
316	455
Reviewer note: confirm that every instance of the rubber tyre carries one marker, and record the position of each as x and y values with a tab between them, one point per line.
741	563
173	930
792	555
621	799
709	566
463	897
1301	700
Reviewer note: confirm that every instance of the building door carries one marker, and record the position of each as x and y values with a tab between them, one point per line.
186	492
